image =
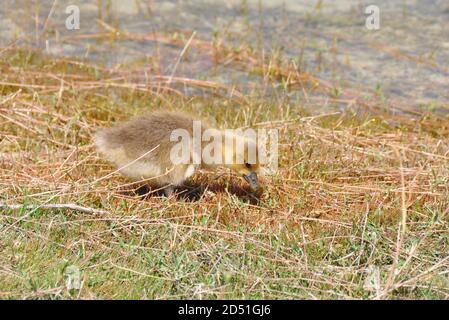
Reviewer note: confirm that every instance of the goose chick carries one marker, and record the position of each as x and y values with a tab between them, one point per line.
141	149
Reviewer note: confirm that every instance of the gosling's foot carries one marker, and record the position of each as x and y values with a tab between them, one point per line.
191	193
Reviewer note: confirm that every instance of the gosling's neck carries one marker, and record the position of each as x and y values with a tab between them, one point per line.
216	144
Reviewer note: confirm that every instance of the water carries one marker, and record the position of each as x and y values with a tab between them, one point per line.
405	61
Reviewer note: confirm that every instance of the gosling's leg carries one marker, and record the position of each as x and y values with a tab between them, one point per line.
192	191
143	191
169	190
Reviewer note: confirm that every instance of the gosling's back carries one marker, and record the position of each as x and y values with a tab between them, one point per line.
132	140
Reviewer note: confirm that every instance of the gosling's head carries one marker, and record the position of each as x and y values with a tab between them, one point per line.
245	160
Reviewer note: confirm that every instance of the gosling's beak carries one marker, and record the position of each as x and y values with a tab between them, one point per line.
252	180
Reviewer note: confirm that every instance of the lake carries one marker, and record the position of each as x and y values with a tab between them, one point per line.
404	62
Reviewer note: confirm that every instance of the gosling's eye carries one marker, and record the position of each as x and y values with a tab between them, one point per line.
247	165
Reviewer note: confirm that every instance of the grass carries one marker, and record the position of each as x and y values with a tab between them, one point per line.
359	208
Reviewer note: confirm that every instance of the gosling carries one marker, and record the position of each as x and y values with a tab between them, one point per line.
142	149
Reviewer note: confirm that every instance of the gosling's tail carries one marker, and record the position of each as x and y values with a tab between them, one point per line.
101	142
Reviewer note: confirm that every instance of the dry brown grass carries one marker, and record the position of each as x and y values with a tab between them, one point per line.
358	209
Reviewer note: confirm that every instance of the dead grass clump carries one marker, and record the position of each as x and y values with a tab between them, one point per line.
358	209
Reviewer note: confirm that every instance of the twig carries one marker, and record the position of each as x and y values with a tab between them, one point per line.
50	13
402	229
70	206
180	57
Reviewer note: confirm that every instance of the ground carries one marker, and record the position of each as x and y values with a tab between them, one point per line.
359	207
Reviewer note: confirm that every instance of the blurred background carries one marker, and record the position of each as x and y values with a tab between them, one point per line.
403	64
